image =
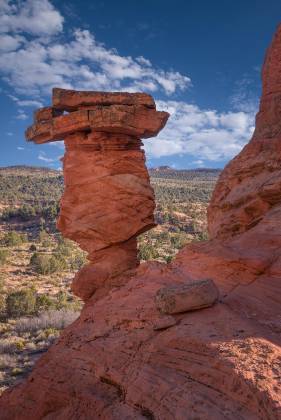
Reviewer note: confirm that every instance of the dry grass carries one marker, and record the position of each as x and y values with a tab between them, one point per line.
23	341
51	319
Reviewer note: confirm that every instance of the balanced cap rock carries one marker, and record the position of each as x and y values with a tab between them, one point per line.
107	200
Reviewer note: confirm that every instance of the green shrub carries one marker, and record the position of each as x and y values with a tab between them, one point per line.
45	239
26	212
179	240
164	237
168	258
16	371
62	300
2	296
202	236
22	302
147	252
44	303
14	238
8	214
2	304
2	284
4	254
40	263
78	260
47	264
63	250
57	263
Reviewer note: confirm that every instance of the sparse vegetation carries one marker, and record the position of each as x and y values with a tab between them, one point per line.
13	238
21	302
48	264
37	264
4	254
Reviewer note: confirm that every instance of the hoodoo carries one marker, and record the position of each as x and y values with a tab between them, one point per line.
108	200
137	351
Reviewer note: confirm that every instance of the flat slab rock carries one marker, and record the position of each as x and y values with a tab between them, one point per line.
186	297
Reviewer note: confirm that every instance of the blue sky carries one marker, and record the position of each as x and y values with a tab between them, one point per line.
201	61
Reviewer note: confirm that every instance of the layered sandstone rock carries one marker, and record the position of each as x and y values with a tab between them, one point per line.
108	200
250	184
123	359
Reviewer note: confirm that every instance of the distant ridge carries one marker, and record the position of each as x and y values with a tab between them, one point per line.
168	168
163	168
21	169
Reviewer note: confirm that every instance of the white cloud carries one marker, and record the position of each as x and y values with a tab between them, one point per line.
244	97
34	59
199	162
10	43
32	103
10	134
36	17
26	102
59	144
20	148
21	115
33	65
201	134
42	156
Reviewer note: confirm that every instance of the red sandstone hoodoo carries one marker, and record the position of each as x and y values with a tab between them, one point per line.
123	359
108	200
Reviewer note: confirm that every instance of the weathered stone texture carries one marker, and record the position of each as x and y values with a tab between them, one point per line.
108	200
187	297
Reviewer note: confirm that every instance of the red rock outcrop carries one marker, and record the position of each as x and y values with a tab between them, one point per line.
123	359
250	184
108	200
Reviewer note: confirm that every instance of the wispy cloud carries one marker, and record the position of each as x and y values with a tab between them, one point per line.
42	156
20	148
201	134
21	115
244	97
25	102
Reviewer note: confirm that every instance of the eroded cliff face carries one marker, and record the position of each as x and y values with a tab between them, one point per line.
123	359
250	184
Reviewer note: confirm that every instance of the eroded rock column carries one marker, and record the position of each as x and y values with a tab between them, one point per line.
108	200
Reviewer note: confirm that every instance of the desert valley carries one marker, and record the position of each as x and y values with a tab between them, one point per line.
29	207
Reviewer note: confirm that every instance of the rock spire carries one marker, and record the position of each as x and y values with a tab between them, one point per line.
108	200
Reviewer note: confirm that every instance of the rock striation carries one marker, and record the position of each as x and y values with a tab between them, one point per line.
249	187
123	359
108	200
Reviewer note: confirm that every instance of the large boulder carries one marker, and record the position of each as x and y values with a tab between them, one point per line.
186	297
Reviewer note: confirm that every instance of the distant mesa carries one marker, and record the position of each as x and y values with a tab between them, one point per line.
162	168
